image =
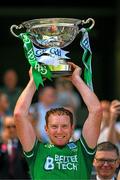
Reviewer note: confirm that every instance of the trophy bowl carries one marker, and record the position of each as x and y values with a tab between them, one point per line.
54	33
61	31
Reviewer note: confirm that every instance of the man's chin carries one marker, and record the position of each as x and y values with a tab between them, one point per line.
106	176
60	143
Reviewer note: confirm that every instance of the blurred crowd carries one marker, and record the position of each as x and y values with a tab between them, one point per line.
61	94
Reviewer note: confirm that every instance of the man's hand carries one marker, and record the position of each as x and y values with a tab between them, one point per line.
30	73
77	71
115	109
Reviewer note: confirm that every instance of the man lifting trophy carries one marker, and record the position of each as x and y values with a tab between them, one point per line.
61	157
44	40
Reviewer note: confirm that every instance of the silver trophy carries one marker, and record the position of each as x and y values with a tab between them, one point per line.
48	37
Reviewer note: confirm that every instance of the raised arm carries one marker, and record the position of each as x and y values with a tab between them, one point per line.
25	130
91	128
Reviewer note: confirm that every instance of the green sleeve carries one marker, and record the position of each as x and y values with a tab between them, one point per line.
30	157
88	155
90	151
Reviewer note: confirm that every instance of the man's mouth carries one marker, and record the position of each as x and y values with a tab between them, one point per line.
60	137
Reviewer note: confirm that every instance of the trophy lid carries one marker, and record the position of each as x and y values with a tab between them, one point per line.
48	32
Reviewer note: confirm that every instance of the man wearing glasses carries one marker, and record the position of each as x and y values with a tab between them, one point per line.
106	161
12	162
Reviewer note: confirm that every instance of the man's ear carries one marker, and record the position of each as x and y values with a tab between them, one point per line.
73	127
46	129
118	163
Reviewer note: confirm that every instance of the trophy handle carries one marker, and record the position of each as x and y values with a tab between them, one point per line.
89	20
16	27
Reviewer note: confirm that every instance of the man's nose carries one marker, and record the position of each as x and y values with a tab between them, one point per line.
106	163
59	129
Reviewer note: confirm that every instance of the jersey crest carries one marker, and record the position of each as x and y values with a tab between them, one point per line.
72	146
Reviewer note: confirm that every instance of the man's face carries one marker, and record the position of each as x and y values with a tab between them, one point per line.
48	97
105	163
4	103
10	79
9	127
59	129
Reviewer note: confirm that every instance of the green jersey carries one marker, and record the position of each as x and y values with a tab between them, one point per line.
73	161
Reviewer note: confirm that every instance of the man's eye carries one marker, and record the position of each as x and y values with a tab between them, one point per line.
64	126
54	127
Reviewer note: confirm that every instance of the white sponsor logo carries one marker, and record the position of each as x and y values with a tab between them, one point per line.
61	162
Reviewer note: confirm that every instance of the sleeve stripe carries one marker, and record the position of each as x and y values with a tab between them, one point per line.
90	153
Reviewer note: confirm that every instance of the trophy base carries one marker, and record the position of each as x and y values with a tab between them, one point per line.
63	69
56	74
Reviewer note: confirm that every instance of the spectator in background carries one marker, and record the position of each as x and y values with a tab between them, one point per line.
12	162
46	100
67	96
111	112
10	80
106	161
4	109
114	131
